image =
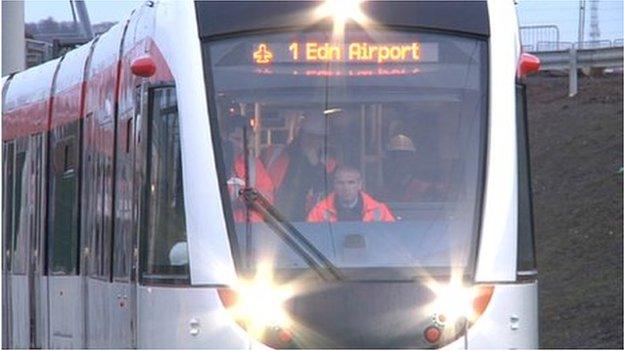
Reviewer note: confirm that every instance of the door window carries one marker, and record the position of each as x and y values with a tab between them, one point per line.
165	253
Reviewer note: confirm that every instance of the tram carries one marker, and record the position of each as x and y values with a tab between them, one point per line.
330	174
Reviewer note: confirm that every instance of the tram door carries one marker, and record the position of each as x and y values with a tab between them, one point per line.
24	288
130	189
36	287
96	227
19	280
64	283
8	163
125	254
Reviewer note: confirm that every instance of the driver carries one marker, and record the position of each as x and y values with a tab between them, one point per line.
348	202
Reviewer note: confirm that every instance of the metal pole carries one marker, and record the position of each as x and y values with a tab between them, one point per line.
581	29
594	31
573	88
13	39
83	16
73	8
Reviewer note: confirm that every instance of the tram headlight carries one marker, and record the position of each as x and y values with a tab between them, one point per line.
341	11
258	303
455	301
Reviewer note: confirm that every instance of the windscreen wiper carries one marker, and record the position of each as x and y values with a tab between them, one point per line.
290	235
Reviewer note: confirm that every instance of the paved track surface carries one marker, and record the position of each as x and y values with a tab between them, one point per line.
576	155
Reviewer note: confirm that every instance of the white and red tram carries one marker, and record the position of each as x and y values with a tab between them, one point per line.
159	181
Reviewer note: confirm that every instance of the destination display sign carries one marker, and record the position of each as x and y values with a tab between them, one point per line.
354	52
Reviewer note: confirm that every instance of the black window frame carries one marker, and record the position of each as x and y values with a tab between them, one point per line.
64	167
210	38
526	265
20	260
8	202
99	182
124	228
148	104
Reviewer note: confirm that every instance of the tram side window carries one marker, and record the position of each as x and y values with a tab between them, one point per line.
63	197
164	253
98	192
20	214
124	221
7	203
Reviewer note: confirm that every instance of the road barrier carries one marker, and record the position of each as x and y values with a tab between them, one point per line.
574	59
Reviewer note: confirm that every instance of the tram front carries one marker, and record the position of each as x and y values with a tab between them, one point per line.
351	153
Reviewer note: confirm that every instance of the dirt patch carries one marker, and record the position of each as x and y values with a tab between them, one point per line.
576	155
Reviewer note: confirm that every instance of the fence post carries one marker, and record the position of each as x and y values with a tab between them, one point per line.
573	74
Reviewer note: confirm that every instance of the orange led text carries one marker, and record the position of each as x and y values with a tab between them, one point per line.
263	55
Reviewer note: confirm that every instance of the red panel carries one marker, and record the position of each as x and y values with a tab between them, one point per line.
66	106
163	74
90	96
25	120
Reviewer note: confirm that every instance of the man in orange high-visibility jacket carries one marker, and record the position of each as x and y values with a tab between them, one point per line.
237	172
349	202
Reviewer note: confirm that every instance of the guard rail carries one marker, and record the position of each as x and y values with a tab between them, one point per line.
574	58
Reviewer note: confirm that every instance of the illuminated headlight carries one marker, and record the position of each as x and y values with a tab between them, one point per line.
258	303
341	11
455	302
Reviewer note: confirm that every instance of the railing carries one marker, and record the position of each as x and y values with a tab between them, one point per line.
546	38
533	35
543	41
37	52
594	44
553	45
574	58
583	58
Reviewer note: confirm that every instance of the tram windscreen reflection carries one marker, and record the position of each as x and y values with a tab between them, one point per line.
372	148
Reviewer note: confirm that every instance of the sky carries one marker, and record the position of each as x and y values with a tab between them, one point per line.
60	10
563	13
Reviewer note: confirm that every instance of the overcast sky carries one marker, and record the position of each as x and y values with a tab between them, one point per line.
60	10
563	13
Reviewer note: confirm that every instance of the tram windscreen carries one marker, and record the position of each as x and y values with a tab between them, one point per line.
370	147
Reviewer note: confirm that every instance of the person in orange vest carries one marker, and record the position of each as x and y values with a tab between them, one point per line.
237	170
349	202
298	170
